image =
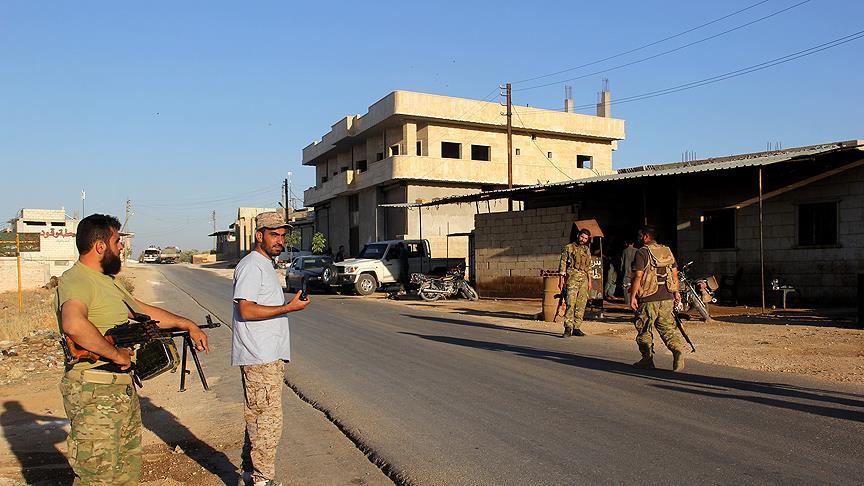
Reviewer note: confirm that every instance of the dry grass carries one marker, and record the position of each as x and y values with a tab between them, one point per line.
36	313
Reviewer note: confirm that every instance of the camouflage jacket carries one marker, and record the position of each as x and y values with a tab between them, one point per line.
575	261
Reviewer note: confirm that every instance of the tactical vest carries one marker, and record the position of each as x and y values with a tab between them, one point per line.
658	271
579	261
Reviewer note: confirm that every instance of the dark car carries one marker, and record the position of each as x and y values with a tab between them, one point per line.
314	272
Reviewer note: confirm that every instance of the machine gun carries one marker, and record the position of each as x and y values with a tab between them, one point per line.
155	352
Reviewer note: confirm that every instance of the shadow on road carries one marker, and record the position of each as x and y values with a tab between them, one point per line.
483	325
778	395
32	439
173	433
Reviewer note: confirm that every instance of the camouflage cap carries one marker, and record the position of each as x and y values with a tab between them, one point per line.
270	220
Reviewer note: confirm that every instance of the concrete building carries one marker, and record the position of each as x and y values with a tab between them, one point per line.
812	228
413	147
235	242
55	233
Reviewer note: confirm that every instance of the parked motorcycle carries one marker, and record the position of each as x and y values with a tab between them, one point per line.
696	293
453	283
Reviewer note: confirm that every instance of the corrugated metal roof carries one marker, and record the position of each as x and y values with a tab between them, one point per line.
757	159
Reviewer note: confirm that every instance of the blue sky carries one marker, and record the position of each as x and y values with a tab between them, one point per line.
189	107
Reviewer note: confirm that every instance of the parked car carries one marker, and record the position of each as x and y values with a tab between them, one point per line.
288	255
378	265
312	272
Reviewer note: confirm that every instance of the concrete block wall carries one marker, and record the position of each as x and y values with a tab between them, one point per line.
824	275
513	247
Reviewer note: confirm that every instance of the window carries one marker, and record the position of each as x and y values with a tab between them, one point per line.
548	155
361	165
718	229
518	151
344	168
379	156
817	224
419	148
480	152
323	179
584	162
451	150
394	150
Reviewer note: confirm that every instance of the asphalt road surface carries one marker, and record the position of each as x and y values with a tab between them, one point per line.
438	399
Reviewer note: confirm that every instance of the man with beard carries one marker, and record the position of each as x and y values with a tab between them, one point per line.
574	269
261	344
104	413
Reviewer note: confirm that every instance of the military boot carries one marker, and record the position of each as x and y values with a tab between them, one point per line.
578	332
646	363
568	331
677	361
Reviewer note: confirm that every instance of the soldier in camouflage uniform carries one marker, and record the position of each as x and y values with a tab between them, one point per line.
104	413
261	342
654	297
574	268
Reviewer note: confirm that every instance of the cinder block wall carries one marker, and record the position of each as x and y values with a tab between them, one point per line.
823	274
512	248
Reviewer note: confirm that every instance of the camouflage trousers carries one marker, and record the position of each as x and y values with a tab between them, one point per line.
658	315
576	299
105	431
262	385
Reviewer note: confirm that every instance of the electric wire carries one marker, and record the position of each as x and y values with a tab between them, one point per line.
645	46
533	141
664	53
728	75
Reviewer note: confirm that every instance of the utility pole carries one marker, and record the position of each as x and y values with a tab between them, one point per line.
287	197
509	147
125	229
83	196
213	219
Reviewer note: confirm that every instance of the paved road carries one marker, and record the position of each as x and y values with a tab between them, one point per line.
439	399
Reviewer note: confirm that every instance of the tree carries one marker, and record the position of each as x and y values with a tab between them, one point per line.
318	243
292	239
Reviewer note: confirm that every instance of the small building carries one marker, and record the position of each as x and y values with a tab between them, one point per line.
50	248
797	214
239	239
416	147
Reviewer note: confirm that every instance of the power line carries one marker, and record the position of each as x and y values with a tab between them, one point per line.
731	74
540	149
643	46
670	51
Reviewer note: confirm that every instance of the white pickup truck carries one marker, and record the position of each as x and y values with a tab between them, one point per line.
378	265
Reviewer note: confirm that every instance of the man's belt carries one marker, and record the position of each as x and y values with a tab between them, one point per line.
103	377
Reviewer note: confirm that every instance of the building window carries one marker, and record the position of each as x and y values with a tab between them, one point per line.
481	152
548	155
394	150
361	165
718	229
379	156
817	224
419	148
518	151
584	162
344	168
451	150
323	179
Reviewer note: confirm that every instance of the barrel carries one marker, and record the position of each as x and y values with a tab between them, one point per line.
550	301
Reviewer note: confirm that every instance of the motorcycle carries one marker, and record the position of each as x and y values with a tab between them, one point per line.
453	283
696	293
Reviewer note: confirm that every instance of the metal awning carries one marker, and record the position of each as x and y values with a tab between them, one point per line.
758	159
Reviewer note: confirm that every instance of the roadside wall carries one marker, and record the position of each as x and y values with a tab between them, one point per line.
512	248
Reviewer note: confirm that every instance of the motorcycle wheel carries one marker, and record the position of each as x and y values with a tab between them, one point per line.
468	292
426	295
701	308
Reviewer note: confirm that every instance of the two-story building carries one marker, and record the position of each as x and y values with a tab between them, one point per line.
412	147
51	237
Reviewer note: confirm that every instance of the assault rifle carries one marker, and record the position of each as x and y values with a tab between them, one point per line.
683	331
139	333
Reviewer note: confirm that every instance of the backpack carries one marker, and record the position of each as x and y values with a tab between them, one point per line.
660	261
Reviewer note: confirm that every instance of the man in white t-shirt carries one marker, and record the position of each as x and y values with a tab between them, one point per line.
261	343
